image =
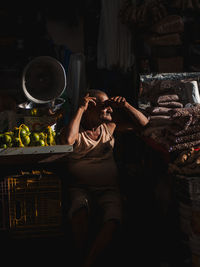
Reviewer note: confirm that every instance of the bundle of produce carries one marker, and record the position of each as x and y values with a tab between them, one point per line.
22	137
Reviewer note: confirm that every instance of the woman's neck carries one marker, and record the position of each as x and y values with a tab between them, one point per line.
91	126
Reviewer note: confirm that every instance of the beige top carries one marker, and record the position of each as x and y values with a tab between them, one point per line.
92	161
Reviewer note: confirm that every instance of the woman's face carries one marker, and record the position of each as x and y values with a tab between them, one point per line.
102	111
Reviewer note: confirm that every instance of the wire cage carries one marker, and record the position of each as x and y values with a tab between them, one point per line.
31	202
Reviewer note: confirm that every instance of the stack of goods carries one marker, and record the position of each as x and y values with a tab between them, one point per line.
151	11
184	132
176	129
174	116
165	41
159	116
160	30
142	15
174	124
180	133
185	170
162	96
159	111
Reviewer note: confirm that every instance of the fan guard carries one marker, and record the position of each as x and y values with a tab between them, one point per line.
43	80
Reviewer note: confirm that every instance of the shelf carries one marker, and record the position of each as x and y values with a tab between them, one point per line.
34	155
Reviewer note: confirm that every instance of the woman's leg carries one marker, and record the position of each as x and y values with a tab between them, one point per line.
79	227
102	241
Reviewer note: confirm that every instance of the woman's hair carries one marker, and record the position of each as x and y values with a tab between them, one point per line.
95	92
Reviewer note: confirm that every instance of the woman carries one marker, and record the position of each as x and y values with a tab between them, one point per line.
93	172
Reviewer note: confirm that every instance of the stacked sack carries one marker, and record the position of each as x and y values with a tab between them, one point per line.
160	108
184	132
177	130
164	97
172	122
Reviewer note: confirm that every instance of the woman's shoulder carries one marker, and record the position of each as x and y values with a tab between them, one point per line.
109	127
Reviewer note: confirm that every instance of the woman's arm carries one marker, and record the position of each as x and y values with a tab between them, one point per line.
126	116
69	133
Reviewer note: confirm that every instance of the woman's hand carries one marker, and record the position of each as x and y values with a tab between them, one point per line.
117	102
86	100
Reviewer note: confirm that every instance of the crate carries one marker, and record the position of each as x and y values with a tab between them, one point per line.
187	192
31	203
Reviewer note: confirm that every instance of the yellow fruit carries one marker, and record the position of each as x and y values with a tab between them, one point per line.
9	133
7	138
26	140
35	137
42	136
25	127
3	146
41	143
23	133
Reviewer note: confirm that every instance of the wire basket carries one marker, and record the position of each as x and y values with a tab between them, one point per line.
31	201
